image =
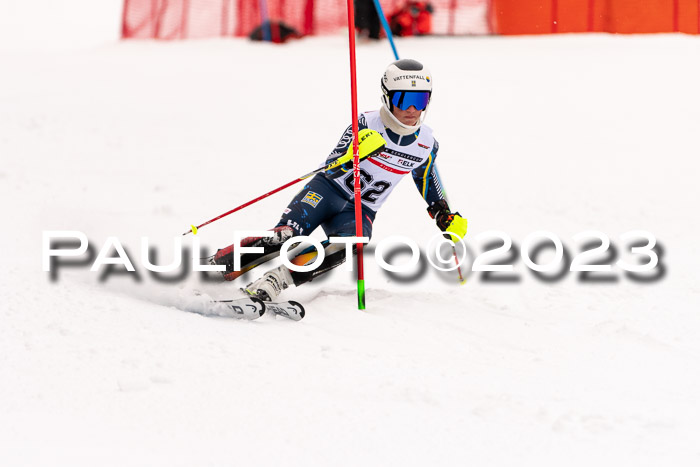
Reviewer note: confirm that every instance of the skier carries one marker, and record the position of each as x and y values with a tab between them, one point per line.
393	142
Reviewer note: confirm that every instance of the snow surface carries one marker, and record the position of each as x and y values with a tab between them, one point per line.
565	133
34	25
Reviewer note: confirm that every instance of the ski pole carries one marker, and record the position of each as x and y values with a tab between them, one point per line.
339	161
462	280
296	180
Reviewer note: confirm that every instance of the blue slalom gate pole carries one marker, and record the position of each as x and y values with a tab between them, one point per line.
386	27
266	25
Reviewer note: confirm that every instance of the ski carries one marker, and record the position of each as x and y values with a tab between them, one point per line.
289	309
249	308
253	308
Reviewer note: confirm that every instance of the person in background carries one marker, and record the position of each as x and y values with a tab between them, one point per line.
366	18
413	19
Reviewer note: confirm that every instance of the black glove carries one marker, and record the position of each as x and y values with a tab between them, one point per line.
450	222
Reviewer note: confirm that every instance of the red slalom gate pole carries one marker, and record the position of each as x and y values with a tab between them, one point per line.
356	158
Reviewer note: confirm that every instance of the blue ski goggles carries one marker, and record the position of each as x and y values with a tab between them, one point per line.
405	99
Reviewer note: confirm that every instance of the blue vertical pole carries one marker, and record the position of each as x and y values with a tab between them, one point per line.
265	16
386	27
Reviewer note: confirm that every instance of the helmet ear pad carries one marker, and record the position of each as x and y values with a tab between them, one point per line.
385	98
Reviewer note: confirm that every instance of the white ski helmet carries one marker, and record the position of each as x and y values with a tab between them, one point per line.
407	83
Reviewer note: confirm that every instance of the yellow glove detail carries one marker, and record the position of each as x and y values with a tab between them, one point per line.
458	226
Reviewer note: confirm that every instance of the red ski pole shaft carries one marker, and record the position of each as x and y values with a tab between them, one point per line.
329	166
462	280
459	269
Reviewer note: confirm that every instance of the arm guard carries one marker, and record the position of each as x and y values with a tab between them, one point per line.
342	147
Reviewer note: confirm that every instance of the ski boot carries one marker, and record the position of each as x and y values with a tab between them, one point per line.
271	284
271	246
